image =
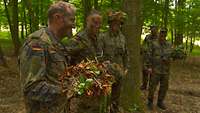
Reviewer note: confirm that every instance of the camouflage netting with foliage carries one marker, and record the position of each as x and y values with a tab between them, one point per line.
179	53
89	78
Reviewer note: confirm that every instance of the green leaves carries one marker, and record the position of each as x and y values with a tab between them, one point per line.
88	83
81	88
93	69
84	85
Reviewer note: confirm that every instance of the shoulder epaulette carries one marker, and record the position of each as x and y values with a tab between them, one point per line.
36	34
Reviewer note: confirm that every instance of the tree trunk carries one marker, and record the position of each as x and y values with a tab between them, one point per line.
36	10
165	13
32	16
87	6
187	41
191	44
178	39
22	20
132	30
156	18
96	5
22	30
172	36
2	60
30	24
44	5
179	7
13	24
111	3
42	18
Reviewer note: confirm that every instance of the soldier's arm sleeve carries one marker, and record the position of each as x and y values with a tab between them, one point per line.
33	71
148	55
146	50
32	66
75	45
101	47
144	45
172	49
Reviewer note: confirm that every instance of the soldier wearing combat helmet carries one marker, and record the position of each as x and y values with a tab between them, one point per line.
115	50
159	58
146	43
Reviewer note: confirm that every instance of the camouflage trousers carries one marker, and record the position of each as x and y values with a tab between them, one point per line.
115	96
155	79
45	98
38	107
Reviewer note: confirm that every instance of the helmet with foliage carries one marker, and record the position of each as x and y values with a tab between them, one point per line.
116	16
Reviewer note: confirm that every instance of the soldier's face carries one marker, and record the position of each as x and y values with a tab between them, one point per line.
94	23
163	35
154	31
68	24
115	26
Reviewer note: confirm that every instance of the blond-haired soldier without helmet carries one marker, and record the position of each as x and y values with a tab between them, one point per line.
43	58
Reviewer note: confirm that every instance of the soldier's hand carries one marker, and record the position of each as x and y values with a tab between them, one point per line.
125	71
149	70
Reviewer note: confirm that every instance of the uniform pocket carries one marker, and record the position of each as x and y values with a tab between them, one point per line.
43	92
57	62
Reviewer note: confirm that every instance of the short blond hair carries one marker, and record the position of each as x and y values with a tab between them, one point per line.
60	7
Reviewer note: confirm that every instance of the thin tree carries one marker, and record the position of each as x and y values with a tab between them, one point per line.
165	13
96	5
2	59
13	24
87	6
179	28
34	25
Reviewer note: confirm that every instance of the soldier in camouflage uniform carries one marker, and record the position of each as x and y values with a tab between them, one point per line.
160	56
147	41
86	45
115	50
43	58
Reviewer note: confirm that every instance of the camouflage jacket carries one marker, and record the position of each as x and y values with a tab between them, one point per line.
83	47
42	60
149	39
115	48
160	56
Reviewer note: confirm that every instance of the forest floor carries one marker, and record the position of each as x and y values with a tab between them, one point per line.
183	95
184	88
